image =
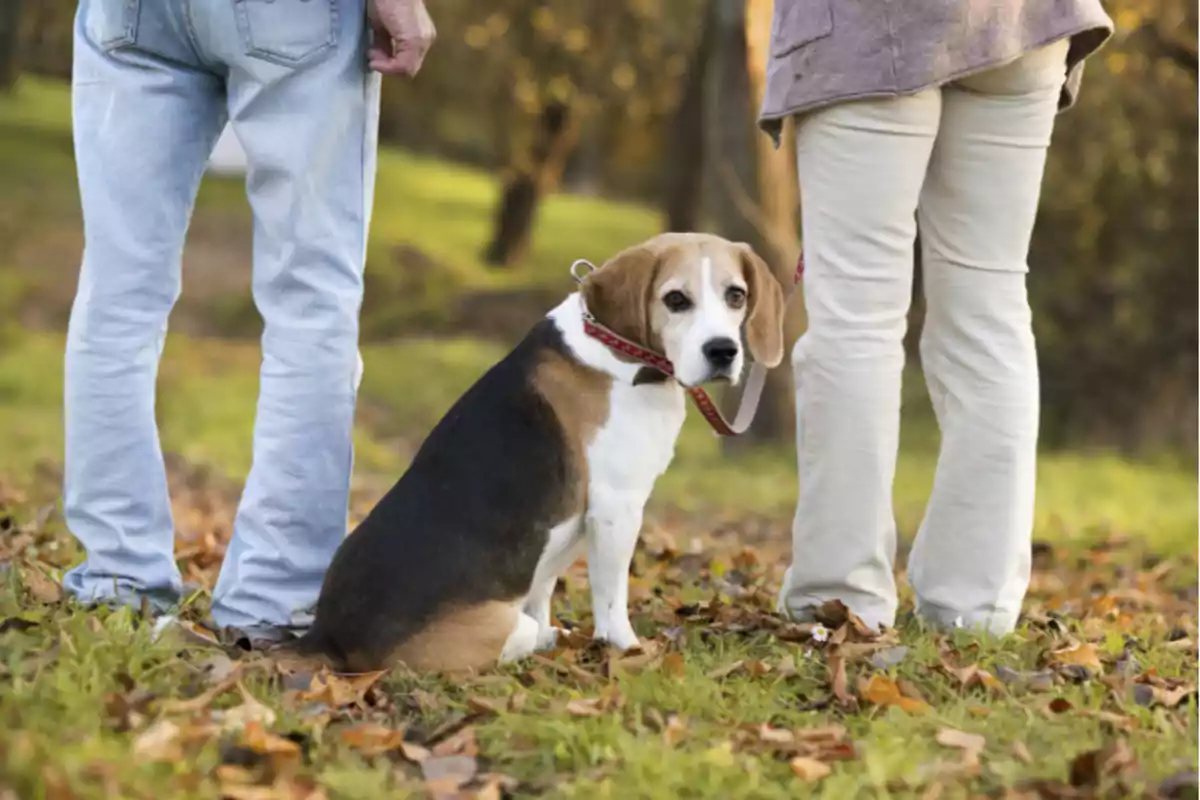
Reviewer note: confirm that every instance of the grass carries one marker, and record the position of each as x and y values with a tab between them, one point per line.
86	698
714	713
1080	497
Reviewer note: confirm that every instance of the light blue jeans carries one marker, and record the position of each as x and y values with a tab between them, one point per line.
154	83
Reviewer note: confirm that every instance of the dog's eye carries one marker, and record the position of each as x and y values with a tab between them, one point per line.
676	301
735	296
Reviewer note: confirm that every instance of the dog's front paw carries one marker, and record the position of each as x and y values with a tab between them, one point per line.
619	635
548	637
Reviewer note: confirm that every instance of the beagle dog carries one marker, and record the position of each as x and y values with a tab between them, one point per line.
555	448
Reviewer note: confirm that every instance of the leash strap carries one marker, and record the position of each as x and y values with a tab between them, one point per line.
755	381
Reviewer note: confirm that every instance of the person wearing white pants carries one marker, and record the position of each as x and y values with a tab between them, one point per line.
960	159
154	82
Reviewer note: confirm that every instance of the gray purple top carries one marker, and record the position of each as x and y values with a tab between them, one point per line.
827	51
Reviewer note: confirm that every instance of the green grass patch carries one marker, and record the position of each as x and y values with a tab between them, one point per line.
721	702
208	391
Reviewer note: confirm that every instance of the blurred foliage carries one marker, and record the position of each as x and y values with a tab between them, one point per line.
498	63
1114	261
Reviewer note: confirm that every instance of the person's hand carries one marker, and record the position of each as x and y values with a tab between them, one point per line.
402	34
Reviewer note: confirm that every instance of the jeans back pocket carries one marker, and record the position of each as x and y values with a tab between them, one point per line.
112	23
287	32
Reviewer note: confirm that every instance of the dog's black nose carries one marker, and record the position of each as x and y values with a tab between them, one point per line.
720	352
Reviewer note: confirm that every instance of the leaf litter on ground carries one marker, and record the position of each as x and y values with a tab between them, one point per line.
692	601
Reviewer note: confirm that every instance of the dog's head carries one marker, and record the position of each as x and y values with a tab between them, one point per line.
690	297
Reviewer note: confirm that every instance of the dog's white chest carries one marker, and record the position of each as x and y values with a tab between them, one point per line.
637	442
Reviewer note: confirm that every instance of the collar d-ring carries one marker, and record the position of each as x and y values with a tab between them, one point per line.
588	266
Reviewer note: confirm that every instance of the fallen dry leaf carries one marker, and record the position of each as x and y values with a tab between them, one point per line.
1081	655
250	711
972	676
565	668
183	632
282	753
673	665
826	734
674	731
632	662
1113	761
159	742
482	705
460	742
596	706
838	681
835	614
809	769
758	668
883	691
1150	689
971	744
1059	705
671	725
591	707
1021	752
41	587
448	773
338	691
773	735
371	738
414	752
1039	681
206	698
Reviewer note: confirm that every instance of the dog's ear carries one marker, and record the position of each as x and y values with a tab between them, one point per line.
764	319
618	294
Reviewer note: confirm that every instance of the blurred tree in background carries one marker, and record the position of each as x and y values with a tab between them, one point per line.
539	89
11	13
653	101
1113	271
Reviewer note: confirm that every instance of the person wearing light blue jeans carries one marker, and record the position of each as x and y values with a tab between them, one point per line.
154	84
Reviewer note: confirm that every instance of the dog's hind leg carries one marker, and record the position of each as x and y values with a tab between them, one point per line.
523	641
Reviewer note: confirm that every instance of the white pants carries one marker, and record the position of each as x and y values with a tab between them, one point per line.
965	162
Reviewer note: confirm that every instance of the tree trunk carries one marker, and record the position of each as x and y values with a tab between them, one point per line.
684	150
10	42
528	183
759	185
730	168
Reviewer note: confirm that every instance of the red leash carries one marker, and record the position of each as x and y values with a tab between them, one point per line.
708	409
